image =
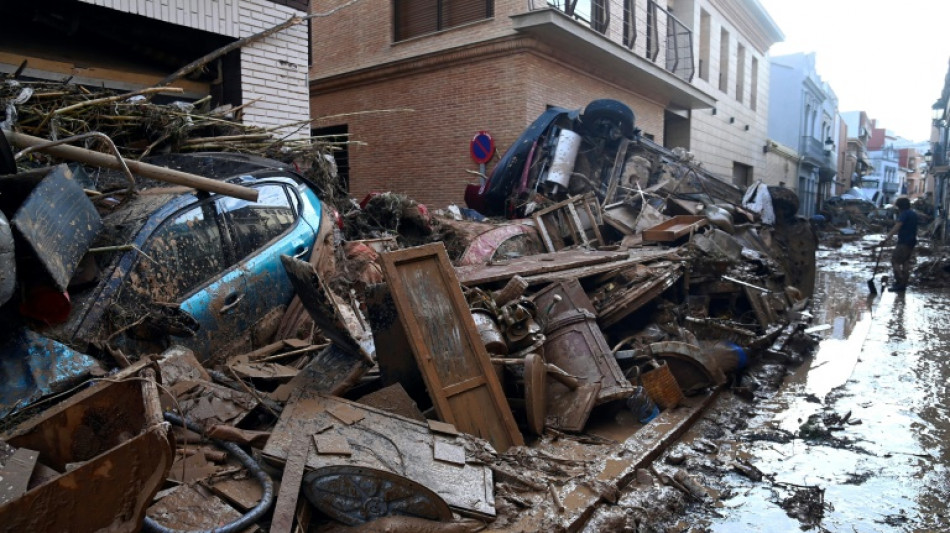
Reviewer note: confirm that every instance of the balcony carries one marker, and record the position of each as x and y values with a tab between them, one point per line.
890	187
650	47
813	153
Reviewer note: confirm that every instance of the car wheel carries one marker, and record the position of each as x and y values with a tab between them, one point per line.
607	111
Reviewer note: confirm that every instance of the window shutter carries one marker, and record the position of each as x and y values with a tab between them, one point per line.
415	17
457	12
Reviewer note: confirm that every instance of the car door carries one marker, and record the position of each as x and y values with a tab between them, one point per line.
260	232
185	262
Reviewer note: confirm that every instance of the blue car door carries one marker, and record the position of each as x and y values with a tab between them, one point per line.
239	308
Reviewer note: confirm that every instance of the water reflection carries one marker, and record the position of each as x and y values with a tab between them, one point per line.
886	359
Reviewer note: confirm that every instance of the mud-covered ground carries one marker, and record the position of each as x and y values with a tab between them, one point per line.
852	439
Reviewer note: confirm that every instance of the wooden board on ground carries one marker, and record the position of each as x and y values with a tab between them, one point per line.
534	264
447	347
290	481
389	442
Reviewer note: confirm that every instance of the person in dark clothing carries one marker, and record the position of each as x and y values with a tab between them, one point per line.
906	231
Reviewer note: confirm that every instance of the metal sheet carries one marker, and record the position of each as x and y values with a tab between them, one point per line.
59	223
33	366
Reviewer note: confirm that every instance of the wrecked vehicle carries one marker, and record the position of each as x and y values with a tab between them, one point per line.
204	267
559	145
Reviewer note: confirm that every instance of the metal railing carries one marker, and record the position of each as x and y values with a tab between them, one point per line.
814	149
655	35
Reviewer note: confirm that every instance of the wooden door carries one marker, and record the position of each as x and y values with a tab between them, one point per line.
450	354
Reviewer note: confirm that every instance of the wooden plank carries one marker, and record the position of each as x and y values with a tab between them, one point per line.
286	504
446	344
620	161
674	228
123	79
464	386
636	257
534	264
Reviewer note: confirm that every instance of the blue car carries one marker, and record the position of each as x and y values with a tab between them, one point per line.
197	269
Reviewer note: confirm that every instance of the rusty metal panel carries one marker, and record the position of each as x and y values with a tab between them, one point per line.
58	222
445	342
119	474
385	441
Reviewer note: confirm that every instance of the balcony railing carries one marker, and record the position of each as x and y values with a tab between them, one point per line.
655	35
814	152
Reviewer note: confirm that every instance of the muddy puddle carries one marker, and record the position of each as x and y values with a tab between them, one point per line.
856	438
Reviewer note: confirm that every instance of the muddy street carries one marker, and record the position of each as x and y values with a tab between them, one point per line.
855	438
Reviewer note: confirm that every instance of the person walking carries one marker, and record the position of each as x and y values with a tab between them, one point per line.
906	231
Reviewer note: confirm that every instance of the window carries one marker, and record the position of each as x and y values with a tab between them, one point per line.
724	60
254	224
704	29
338	137
740	72
754	85
653	32
184	252
412	18
629	23
741	174
600	16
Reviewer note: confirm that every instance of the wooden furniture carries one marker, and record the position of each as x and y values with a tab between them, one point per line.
443	338
570	224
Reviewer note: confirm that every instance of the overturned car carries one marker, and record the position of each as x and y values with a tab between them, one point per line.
563	152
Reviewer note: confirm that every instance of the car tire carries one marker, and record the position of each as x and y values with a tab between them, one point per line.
613	111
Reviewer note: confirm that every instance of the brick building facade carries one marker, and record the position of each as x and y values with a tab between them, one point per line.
411	96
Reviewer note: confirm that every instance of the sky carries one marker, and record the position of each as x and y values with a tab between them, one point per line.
888	59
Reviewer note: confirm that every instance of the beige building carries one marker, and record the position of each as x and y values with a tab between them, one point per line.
413	82
732	39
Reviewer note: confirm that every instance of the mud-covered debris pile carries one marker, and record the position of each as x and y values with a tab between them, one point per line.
435	366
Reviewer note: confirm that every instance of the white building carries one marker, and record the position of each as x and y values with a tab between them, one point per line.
133	44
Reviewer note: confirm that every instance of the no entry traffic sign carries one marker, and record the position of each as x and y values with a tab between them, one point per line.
482	147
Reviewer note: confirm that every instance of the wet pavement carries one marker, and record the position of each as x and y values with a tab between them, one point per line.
856	437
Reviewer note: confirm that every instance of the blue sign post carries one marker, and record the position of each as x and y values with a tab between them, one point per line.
482	148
